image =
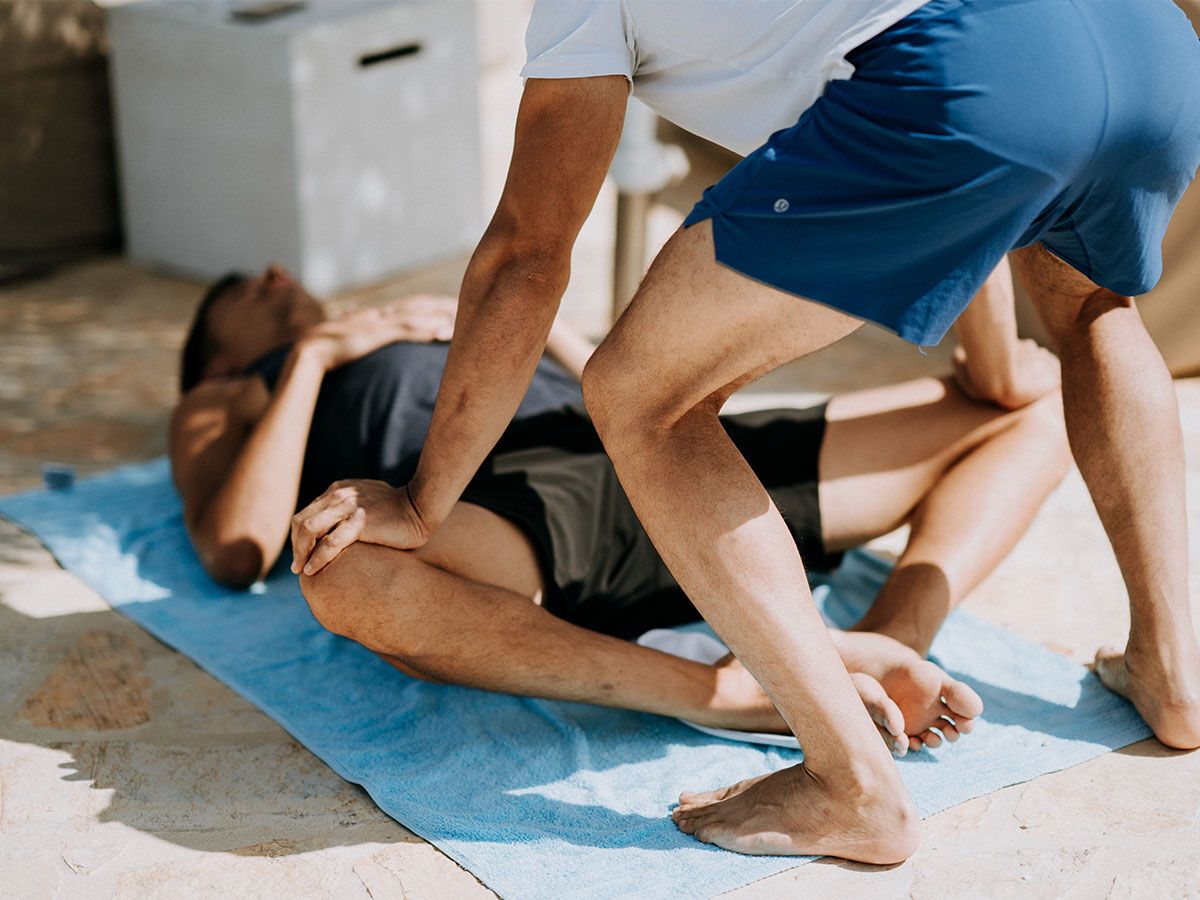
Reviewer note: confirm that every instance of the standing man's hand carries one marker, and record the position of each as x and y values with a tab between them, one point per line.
1034	373
373	512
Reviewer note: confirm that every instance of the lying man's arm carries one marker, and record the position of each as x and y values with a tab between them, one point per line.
236	454
991	364
237	451
567	132
569	348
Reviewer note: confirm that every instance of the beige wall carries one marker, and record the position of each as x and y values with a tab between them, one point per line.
57	174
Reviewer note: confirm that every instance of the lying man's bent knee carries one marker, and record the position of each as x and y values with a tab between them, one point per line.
336	593
1046	416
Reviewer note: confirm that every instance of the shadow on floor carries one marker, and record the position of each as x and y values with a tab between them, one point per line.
173	752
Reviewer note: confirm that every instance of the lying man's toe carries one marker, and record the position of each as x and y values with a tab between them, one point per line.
962	701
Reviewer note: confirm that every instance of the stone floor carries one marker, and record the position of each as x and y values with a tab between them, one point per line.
126	770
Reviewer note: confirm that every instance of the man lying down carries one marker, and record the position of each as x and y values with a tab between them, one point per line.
542	573
278	400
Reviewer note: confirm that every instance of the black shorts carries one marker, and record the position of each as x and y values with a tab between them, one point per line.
549	475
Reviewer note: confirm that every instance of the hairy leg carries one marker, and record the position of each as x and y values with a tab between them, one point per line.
694	333
968	478
460	610
1123	424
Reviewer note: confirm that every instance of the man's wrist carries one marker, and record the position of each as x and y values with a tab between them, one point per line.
314	352
425	503
994	381
997	389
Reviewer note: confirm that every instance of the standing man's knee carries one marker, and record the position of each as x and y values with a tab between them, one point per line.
629	404
608	396
593	385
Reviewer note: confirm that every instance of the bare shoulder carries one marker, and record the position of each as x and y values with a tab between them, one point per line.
221	400
213	413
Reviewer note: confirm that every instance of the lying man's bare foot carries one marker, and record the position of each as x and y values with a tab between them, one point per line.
794	812
742	705
1167	694
934	705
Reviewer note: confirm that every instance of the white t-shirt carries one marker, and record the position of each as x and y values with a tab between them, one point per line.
732	71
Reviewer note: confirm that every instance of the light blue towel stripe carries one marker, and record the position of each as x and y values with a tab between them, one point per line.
537	799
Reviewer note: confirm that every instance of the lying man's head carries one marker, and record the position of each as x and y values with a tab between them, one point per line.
242	318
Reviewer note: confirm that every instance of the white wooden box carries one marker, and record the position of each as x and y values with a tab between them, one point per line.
341	139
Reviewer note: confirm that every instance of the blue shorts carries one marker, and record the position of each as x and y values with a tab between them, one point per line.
970	128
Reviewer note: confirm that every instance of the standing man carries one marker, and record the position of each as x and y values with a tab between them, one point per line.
896	150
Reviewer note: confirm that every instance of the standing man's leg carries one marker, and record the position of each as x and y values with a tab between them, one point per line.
1123	424
968	478
695	332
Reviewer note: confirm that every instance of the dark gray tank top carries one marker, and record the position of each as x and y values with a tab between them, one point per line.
372	414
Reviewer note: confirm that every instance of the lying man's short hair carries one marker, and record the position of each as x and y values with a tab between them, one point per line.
200	347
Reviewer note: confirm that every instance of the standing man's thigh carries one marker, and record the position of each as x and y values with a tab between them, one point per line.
698	330
1064	297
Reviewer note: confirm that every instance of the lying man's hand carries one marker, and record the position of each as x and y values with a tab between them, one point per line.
370	511
362	331
430	314
1035	373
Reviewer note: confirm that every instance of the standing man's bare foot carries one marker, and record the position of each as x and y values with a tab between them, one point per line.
1164	686
795	812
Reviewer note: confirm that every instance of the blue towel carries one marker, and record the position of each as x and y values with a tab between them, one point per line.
537	799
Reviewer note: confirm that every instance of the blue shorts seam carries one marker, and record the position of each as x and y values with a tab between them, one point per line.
1108	99
722	209
1084	266
1087	257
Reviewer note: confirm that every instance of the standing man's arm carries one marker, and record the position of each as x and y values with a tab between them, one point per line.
567	133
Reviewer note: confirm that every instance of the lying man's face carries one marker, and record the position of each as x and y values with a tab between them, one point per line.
260	314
